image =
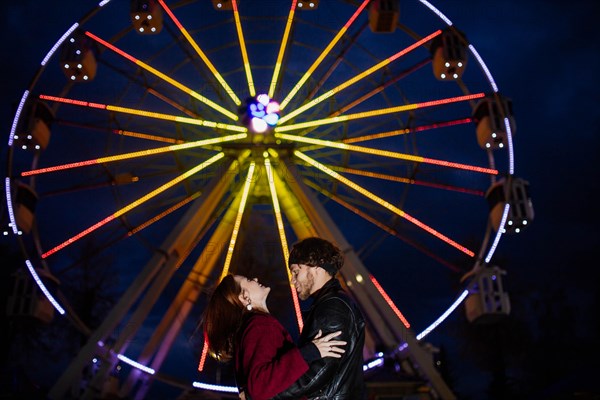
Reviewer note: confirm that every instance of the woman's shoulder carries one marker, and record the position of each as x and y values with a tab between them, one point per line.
262	320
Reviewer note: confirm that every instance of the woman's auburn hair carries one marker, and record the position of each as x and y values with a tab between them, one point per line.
223	317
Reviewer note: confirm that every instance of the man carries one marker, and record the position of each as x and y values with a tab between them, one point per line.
314	263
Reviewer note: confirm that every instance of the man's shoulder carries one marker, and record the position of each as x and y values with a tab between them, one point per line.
338	300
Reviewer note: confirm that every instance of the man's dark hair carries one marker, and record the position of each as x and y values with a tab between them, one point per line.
317	252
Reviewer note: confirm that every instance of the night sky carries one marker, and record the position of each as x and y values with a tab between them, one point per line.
545	56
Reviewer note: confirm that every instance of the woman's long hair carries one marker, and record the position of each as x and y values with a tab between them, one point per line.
223	317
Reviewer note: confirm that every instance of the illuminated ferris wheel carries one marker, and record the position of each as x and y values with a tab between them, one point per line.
188	139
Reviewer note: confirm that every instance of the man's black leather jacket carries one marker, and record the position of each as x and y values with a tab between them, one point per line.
332	378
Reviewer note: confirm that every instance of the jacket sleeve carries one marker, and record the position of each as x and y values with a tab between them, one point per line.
330	316
269	359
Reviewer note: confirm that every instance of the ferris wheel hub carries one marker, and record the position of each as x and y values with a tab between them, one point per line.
260	114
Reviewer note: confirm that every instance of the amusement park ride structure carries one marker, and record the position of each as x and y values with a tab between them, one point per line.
173	123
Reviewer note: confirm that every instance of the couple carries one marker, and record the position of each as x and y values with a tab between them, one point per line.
327	362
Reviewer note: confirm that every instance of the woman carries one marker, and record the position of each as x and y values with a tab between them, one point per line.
238	327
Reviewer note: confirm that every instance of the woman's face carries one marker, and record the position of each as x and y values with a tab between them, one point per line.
252	291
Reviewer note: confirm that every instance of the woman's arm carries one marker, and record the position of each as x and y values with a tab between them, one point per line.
268	358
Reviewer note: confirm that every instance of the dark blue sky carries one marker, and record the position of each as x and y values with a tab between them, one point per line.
544	55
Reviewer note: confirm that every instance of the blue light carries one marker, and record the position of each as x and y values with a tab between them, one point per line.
262	108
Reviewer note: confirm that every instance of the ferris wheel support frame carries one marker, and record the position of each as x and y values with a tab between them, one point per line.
170	252
392	331
157	348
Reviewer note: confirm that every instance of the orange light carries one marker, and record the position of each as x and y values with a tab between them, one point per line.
202	55
322	56
135	154
382	202
358	77
283	239
165	77
398	132
385	153
148	114
135	203
378	112
203	356
389	301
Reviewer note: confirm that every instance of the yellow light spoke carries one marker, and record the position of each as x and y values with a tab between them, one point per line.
385	153
165	77
135	203
382	202
284	42
163	214
147	114
238	221
238	27
283	239
323	54
145	136
203	56
358	77
135	154
378	112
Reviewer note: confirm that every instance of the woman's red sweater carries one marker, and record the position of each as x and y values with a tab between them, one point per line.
267	360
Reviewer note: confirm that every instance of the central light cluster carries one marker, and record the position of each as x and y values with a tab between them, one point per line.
260	113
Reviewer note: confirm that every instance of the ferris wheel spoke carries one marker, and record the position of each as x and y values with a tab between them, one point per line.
134	204
132	231
358	77
339	58
245	58
282	48
238	219
383	203
283	239
147	114
386	153
135	154
322	56
395	178
380	88
379	112
201	53
397	132
121	132
164	77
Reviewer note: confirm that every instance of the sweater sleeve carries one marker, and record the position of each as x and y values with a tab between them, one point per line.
269	359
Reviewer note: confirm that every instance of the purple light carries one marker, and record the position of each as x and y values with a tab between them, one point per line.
260	113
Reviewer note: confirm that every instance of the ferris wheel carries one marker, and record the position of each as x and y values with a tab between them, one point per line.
183	140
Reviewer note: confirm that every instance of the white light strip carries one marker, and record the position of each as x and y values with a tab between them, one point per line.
372	364
217	388
136	364
11	213
43	288
435	10
511	158
57	44
443	316
498	234
103	3
485	68
13	129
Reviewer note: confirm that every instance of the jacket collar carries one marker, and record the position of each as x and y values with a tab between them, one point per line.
332	285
